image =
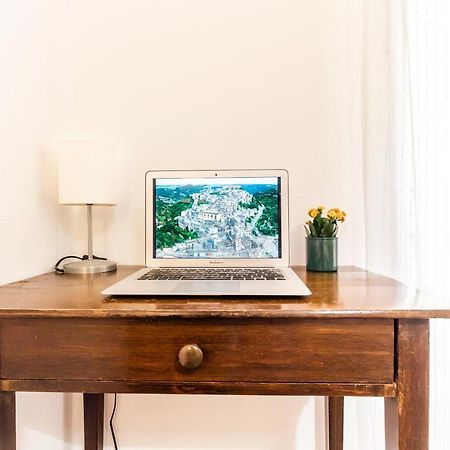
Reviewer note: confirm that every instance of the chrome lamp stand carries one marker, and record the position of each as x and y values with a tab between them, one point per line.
92	264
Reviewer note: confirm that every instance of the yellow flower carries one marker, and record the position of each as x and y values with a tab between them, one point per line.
313	212
332	214
341	216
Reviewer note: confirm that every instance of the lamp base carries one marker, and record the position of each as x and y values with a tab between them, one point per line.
90	266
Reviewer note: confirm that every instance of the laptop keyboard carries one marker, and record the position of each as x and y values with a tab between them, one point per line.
243	274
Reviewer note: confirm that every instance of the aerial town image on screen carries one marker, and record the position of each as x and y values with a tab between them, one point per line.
217	218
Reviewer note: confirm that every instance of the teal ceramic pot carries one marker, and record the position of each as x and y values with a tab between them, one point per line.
321	254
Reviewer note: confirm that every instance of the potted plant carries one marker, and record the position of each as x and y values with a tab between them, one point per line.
321	239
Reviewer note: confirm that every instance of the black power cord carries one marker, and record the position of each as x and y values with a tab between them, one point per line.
111	424
82	258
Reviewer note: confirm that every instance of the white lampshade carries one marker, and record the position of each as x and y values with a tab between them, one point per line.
87	173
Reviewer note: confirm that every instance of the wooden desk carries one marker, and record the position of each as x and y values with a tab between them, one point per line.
358	334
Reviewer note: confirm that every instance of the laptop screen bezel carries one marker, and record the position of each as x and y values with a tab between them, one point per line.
152	261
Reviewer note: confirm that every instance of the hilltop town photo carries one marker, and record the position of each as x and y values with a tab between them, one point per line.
217	218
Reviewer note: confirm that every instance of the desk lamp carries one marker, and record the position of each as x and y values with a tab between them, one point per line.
87	176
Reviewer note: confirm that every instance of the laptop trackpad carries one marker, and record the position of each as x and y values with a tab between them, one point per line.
205	287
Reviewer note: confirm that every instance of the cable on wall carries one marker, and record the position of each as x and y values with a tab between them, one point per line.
111	423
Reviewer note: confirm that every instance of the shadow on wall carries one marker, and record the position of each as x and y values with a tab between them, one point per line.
213	422
201	422
182	422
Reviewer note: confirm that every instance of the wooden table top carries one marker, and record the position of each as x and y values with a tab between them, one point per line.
351	292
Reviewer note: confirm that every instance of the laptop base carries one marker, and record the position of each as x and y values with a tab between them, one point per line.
132	286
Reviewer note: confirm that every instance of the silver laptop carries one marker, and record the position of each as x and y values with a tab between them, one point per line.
219	232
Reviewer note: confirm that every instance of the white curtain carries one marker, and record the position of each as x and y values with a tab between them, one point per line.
407	170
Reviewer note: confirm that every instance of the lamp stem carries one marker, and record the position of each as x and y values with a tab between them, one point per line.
89	227
89	265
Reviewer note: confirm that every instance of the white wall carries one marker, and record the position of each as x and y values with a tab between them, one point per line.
211	84
176	84
32	110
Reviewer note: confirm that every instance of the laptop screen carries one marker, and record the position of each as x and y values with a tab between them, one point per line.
217	217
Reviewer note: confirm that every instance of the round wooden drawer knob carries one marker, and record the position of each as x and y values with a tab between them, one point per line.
191	356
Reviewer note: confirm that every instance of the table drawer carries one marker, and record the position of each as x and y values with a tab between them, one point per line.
242	350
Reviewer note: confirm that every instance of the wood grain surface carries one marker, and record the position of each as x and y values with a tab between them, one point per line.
350	292
252	350
357	334
7	420
335	423
93	409
407	415
205	387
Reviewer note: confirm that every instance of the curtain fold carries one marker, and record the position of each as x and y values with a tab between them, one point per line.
407	170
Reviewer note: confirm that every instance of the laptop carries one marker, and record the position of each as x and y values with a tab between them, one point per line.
214	233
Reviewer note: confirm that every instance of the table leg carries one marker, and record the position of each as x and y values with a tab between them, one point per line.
7	421
407	415
93	421
335	423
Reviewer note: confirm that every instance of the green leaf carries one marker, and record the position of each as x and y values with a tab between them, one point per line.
328	229
317	224
308	232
